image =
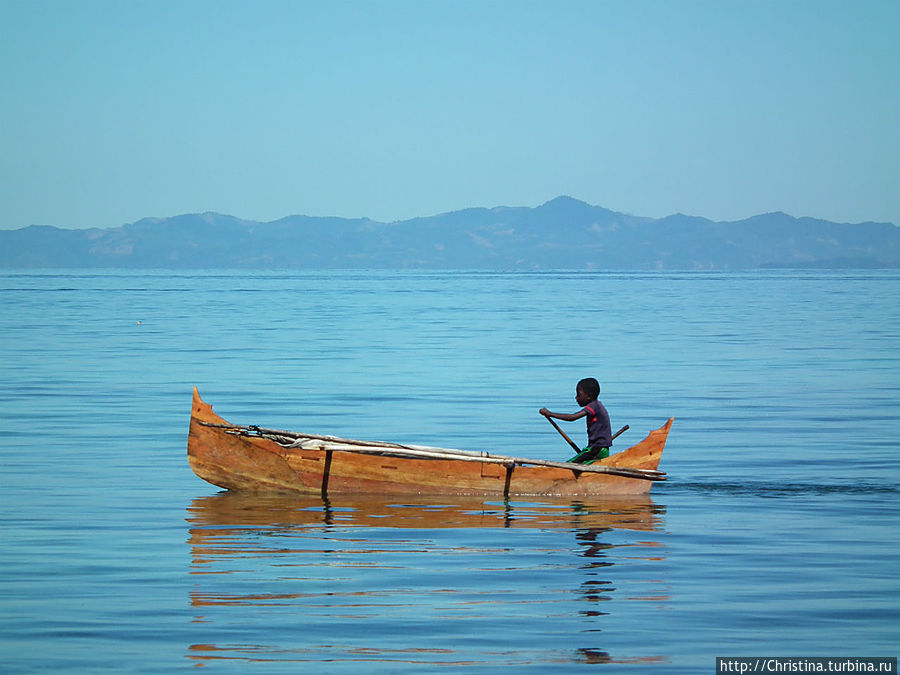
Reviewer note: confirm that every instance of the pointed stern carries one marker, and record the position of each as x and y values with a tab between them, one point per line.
232	461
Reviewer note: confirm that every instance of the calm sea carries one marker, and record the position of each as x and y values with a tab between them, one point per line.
777	533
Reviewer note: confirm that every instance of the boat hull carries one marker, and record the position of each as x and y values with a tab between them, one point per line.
245	462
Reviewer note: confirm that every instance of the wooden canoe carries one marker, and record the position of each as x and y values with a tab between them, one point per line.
239	457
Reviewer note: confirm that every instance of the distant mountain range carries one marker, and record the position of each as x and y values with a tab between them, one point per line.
562	234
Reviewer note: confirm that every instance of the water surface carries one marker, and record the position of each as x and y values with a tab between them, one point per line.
775	535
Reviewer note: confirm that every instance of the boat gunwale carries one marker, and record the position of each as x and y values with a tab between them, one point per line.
384	448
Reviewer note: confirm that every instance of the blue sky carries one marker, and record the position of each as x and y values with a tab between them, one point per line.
113	111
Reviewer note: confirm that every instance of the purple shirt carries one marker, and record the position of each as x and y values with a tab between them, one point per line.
598	429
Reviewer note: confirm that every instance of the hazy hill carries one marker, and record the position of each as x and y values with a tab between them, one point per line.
561	234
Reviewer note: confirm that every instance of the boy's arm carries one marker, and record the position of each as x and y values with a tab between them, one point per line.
565	417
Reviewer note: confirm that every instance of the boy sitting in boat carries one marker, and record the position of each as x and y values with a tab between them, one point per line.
599	431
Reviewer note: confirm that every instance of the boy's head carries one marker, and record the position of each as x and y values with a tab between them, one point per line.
587	390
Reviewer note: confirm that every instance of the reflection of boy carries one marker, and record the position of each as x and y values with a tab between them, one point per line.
599	430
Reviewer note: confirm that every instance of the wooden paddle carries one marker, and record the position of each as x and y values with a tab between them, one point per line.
572	443
620	432
563	434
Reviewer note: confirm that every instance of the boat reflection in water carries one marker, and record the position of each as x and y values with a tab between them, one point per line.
427	581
